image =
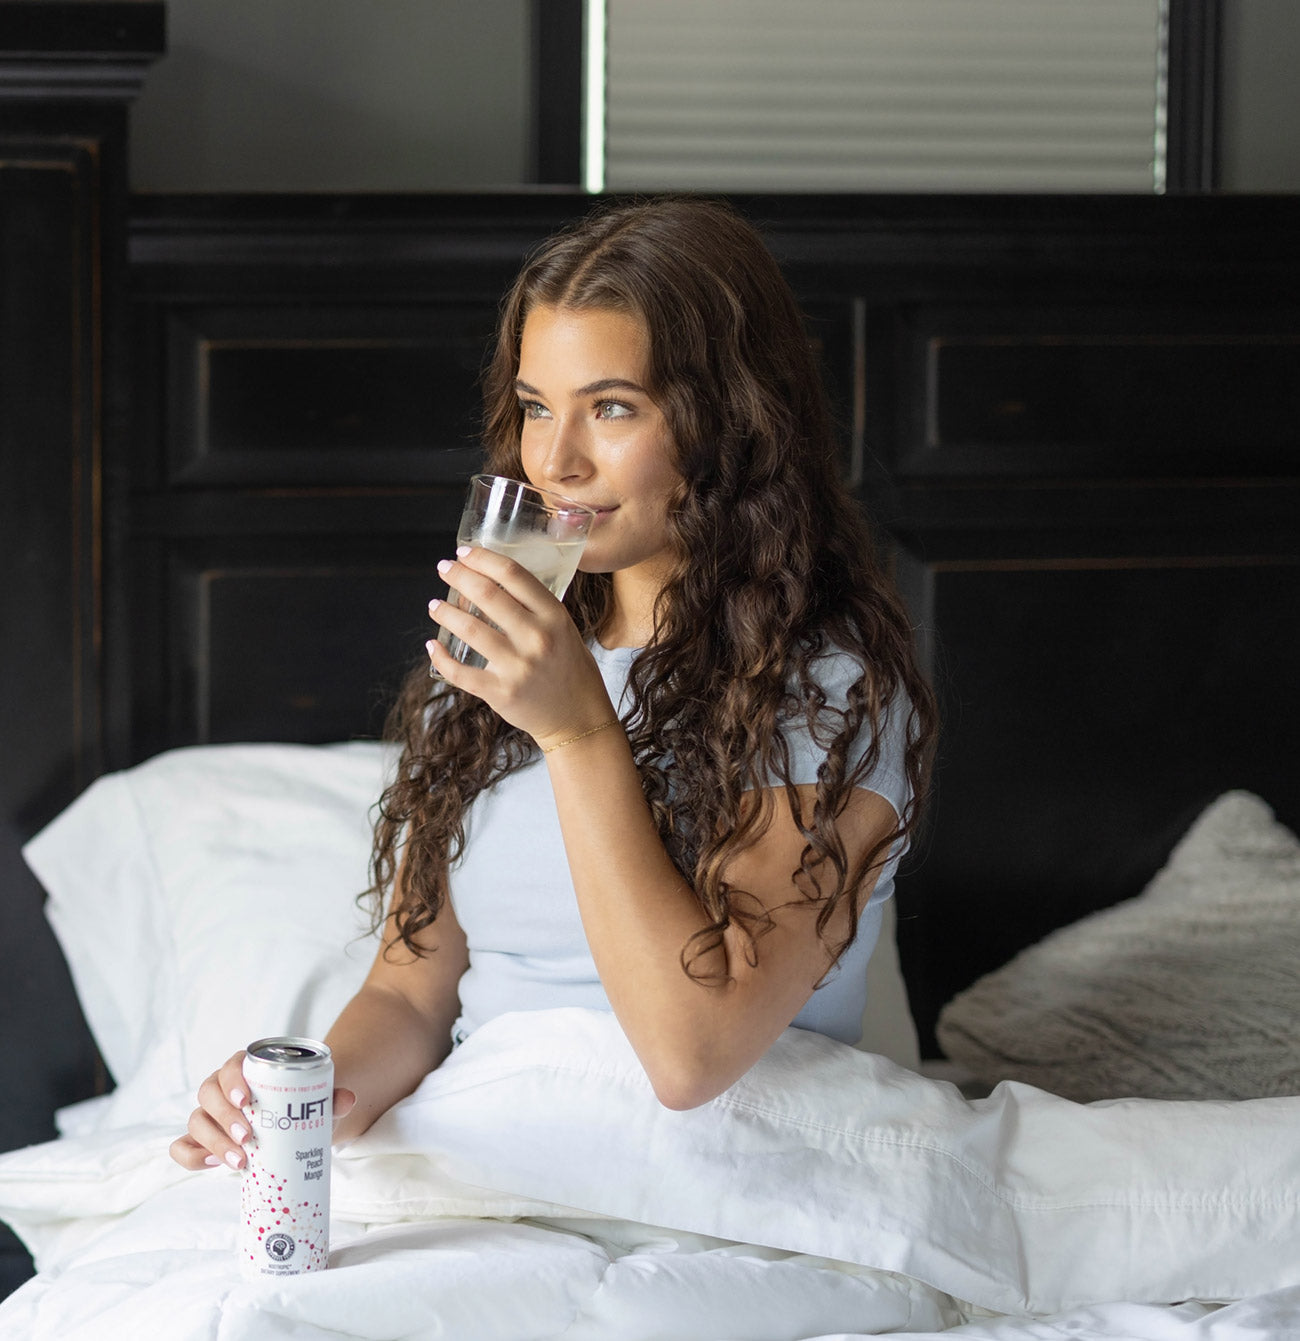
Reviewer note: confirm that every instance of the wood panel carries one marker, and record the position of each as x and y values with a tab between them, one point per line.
285	642
1131	404
359	395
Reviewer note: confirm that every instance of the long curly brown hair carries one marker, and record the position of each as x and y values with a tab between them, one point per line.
775	569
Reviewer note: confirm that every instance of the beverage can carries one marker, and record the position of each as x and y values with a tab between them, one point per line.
285	1191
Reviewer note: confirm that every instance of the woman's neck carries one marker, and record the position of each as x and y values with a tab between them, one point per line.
631	618
619	632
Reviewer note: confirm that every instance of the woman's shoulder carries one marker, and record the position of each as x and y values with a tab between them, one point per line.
836	668
839	673
840	716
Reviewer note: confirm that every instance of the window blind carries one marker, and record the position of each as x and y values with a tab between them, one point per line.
880	95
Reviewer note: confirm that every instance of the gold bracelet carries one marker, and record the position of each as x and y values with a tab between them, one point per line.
560	744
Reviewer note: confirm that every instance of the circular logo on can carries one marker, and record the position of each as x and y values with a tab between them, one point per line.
279	1247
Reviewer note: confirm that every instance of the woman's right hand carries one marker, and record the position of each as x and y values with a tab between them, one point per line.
218	1128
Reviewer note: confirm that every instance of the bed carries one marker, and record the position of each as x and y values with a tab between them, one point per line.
534	1187
1074	1111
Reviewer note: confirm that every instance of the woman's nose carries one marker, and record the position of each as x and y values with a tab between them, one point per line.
566	457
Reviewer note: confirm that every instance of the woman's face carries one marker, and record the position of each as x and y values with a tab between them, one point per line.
592	433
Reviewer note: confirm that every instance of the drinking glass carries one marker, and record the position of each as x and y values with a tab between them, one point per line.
537	529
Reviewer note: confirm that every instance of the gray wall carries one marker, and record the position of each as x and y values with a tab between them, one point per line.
426	95
335	95
1259	142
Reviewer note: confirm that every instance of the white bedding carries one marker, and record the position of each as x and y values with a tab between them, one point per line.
533	1187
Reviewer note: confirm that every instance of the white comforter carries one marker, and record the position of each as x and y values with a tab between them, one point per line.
533	1188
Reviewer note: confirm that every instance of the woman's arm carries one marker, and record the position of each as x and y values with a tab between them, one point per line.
694	1040
392	1033
398	1026
639	914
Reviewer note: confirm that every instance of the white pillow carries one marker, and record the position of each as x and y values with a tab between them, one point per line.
1189	991
207	897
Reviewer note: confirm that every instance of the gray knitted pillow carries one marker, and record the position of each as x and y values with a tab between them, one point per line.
1189	991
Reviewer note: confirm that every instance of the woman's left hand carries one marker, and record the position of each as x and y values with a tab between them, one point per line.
540	676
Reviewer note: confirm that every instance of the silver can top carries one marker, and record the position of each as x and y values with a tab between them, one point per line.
288	1052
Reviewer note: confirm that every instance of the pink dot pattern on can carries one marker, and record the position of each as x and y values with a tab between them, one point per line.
265	1212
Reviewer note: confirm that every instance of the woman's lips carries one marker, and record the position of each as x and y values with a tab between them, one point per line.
575	519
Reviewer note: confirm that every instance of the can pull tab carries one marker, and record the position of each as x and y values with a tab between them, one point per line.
286	1052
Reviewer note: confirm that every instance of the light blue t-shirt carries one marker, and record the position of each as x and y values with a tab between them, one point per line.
514	897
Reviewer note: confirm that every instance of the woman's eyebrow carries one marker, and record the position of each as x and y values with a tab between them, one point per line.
591	389
609	384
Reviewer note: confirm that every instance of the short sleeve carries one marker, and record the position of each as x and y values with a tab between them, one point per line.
836	673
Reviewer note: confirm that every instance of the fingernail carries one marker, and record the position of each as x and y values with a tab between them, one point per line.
434	604
428	647
240	1133
232	1158
462	550
212	1161
444	565
237	1098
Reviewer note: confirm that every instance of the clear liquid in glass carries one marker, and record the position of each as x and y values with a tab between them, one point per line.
552	562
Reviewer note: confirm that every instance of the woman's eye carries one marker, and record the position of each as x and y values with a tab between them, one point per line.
533	409
612	409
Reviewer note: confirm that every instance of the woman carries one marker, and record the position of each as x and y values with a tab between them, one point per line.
680	795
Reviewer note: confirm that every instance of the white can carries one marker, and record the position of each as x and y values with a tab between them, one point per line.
286	1183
